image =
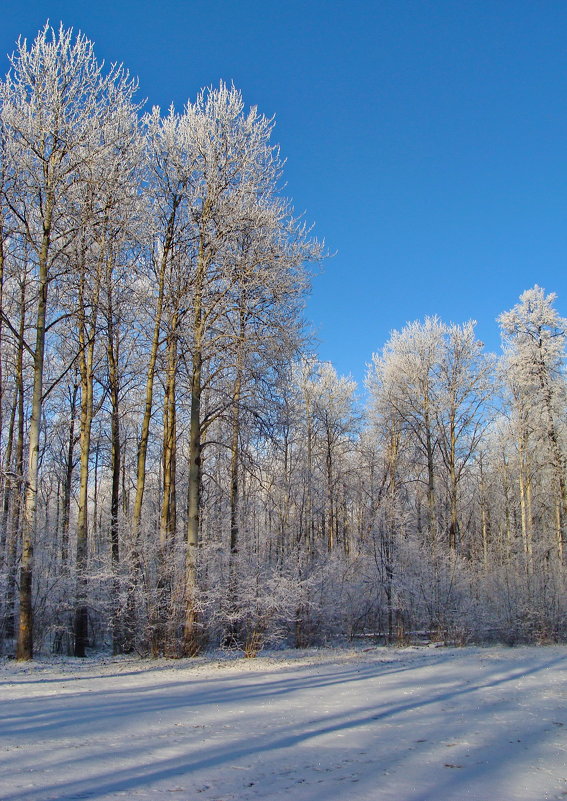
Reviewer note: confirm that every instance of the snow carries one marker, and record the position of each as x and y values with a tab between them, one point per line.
413	724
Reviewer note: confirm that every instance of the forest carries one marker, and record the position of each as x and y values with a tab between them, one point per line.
177	469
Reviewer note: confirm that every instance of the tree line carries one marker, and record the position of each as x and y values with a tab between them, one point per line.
176	469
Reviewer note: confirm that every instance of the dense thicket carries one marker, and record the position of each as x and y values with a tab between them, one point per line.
175	469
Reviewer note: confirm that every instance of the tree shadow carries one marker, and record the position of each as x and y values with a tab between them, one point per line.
100	712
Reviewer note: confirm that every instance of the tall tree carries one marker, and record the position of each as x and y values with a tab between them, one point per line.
233	191
54	101
404	383
534	340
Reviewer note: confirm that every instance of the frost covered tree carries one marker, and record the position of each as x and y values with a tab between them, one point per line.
233	196
534	341
432	383
54	102
404	387
174	469
466	386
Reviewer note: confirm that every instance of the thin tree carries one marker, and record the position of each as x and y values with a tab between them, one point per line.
52	100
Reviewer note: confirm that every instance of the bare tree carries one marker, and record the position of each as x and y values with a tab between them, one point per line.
534	338
233	191
54	100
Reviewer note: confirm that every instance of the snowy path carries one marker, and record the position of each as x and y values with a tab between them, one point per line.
401	725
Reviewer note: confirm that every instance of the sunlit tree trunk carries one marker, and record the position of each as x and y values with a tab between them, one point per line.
168	513
87	336
191	639
525	488
150	376
69	469
24	648
2	290
113	360
14	502
557	457
136	565
330	489
485	527
234	485
431	491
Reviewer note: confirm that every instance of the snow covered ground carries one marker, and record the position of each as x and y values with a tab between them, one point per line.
416	724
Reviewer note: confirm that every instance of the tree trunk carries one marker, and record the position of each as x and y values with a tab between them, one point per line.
16	504
2	532
524	479
136	563
10	483
24	648
557	458
86	362
234	490
145	429
167	515
431	495
453	488
69	467
484	517
191	638
112	351
330	499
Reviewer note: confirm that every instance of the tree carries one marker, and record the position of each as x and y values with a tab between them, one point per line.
54	102
466	384
404	383
534	341
232	196
432	383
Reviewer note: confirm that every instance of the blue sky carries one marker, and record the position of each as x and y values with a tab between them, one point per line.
427	141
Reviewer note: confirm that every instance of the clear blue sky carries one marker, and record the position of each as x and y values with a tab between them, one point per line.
427	141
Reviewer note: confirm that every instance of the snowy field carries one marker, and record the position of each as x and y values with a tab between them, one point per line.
416	724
